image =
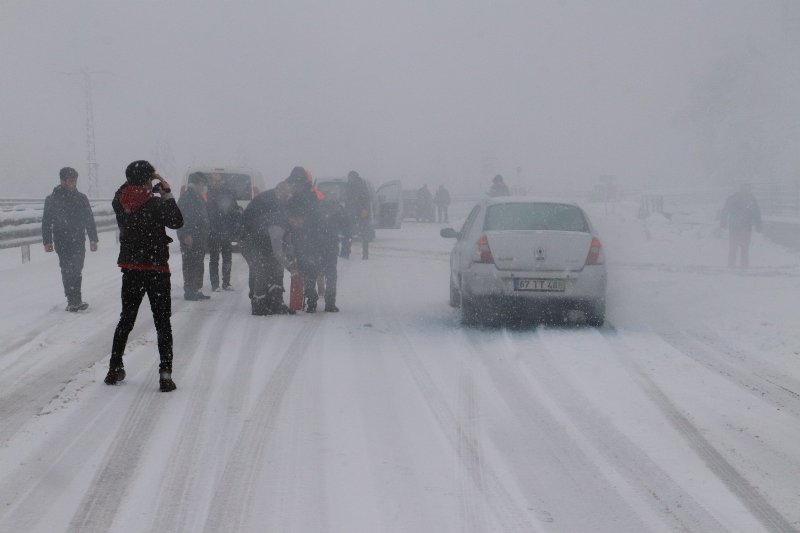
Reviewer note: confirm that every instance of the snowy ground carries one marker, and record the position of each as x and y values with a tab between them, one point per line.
682	414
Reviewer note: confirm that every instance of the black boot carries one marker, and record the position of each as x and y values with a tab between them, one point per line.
165	381
116	372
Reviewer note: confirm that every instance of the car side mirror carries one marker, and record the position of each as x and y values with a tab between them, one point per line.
449	233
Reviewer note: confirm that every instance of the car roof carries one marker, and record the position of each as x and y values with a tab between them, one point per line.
528	200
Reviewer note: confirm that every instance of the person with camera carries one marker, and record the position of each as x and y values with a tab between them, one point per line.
66	220
142	219
193	236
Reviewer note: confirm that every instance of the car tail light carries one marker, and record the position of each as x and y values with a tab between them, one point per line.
595	256
483	254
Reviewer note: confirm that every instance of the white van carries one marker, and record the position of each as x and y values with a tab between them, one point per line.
245	182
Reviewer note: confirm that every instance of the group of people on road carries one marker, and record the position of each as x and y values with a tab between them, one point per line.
292	227
295	227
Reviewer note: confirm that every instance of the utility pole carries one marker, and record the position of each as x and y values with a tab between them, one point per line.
91	159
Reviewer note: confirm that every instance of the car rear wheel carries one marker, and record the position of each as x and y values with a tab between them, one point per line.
596	313
470	312
455	297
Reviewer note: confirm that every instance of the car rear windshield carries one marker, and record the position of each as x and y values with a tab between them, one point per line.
535	216
332	189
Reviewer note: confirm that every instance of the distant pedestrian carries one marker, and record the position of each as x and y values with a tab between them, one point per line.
335	225
739	216
144	260
442	201
499	187
193	235
424	204
223	214
66	220
358	205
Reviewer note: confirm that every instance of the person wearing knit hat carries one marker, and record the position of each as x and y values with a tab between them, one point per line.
144	260
66	220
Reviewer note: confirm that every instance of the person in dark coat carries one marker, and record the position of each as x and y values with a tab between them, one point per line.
442	201
66	220
193	236
264	227
358	205
305	238
499	187
739	216
222	214
144	259
424	204
334	225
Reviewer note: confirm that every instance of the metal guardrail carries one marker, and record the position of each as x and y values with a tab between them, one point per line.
21	222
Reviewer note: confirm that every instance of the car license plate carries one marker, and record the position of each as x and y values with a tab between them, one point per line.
544	285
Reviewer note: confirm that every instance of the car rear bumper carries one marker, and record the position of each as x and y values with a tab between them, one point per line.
486	281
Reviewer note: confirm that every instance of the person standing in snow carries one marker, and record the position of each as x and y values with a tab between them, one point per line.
739	216
193	236
305	238
144	260
222	214
442	201
66	220
357	204
499	187
334	225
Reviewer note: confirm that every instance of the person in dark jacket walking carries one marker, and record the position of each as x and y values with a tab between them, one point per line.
264	227
442	201
499	187
66	220
305	238
424	204
739	216
334	225
193	236
144	260
222	217
357	204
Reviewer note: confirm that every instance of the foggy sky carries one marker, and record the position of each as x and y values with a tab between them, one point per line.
437	91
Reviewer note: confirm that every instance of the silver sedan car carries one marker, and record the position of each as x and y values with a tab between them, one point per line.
524	255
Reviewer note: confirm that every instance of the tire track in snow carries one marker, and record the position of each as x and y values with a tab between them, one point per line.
487	483
751	499
118	471
234	493
472	478
609	447
175	510
765	383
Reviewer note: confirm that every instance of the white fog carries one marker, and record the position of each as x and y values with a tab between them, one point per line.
622	358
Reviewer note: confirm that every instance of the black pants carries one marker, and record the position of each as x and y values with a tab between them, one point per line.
266	279
310	269
135	284
363	230
71	262
330	257
219	245
192	263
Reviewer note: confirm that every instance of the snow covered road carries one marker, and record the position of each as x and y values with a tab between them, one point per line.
683	414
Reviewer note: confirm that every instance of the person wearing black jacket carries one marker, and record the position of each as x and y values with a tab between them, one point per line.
66	220
223	212
306	237
334	225
264	226
193	236
144	260
357	204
